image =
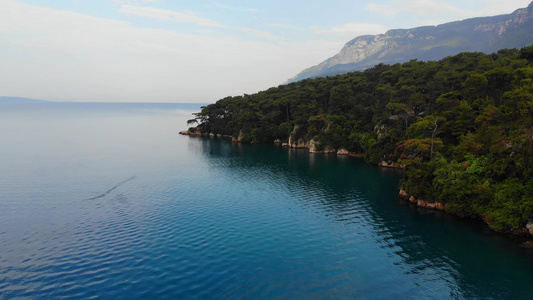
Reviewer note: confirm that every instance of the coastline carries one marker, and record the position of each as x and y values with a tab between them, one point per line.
526	232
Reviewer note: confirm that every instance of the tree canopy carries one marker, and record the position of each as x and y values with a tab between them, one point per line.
462	126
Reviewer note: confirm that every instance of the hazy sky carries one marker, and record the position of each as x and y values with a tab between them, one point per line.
191	51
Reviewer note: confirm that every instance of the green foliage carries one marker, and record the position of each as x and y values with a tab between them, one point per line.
462	126
511	206
527	53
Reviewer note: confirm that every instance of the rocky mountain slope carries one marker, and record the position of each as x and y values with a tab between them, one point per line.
485	34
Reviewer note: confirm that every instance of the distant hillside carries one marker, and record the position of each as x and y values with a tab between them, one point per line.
486	34
20	100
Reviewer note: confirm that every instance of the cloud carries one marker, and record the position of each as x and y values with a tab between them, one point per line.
167	15
352	30
233	8
259	33
387	10
285	26
55	54
498	7
435	11
135	1
421	7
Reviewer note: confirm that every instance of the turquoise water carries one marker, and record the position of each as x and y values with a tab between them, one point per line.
108	201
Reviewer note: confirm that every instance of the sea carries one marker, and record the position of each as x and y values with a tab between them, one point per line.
108	201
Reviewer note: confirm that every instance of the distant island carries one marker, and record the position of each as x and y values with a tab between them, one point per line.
461	127
20	100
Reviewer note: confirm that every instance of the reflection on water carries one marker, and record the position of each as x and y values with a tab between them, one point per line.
109	201
462	257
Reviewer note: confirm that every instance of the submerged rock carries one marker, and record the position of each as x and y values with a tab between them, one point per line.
527	244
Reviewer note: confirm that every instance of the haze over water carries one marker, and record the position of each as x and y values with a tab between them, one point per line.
108	201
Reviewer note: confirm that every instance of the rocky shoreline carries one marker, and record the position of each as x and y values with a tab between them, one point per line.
523	232
421	203
312	146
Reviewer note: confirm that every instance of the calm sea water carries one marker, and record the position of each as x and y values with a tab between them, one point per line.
108	201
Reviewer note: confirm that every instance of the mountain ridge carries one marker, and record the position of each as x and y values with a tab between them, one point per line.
5	99
480	34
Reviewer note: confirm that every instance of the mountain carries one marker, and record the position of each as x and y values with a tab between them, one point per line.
485	34
20	100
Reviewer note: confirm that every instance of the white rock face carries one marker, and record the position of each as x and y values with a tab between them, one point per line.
343	151
362	48
401	45
312	146
529	227
357	52
521	16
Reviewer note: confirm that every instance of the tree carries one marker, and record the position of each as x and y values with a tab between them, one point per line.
475	85
527	53
462	126
424	125
402	110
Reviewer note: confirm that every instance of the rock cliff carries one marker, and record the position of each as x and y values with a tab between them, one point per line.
486	34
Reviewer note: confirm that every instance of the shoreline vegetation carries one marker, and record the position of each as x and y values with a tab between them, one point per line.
461	127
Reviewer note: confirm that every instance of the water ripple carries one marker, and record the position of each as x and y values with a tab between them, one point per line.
208	219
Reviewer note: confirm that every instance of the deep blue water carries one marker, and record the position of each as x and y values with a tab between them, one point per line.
108	201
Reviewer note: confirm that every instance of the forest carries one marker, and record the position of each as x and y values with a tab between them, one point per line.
461	127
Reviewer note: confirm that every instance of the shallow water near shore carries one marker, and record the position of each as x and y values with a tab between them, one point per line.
108	201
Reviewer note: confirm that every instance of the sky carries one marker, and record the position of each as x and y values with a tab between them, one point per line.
191	51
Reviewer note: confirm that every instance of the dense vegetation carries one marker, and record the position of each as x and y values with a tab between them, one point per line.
461	126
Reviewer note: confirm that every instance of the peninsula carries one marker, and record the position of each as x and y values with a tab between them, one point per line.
462	128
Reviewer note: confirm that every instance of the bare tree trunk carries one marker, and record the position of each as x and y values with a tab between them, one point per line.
432	138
